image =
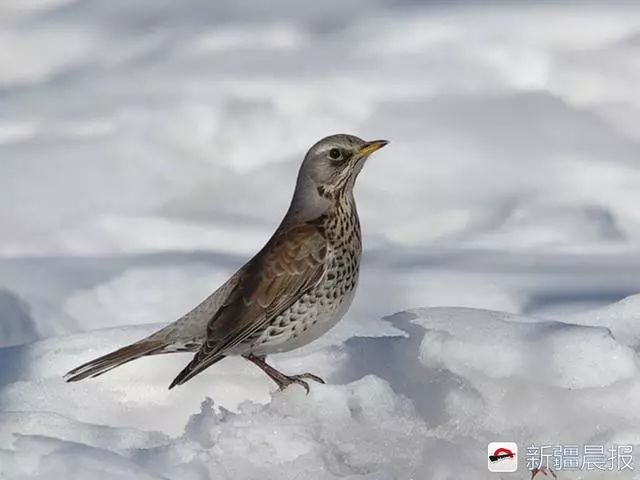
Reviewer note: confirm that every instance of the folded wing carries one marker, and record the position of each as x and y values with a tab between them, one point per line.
291	264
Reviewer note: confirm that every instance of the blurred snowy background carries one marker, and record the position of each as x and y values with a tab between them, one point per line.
148	148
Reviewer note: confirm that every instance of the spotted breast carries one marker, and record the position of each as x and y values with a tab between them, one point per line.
320	309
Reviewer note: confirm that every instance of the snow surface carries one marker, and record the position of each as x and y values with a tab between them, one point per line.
423	405
148	148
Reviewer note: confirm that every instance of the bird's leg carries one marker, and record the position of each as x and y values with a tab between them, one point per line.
282	380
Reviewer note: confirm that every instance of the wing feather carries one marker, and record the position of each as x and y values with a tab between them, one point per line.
290	265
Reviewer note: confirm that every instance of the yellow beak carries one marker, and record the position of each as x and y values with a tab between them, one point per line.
369	147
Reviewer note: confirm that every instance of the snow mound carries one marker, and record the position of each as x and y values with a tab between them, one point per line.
622	318
362	429
422	405
501	346
17	326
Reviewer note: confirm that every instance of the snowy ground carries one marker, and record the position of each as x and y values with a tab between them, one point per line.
148	148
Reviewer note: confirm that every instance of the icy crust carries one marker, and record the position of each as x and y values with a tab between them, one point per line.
423	405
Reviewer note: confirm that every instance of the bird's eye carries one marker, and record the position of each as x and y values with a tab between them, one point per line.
335	153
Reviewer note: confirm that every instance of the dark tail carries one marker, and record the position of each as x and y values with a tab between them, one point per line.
194	368
112	360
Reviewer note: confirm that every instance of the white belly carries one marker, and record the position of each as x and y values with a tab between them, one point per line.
295	329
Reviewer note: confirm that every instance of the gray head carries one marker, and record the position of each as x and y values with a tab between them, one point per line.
329	171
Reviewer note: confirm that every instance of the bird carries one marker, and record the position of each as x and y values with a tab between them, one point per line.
297	287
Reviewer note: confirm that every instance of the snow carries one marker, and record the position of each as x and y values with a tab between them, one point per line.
422	405
560	354
621	318
148	148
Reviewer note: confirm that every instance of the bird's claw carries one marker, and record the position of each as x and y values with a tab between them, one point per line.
288	380
310	376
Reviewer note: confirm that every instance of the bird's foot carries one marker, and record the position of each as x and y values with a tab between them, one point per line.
286	380
282	380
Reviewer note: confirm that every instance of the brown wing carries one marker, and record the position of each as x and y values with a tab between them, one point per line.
291	263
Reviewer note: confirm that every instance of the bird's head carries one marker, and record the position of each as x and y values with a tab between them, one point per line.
329	170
